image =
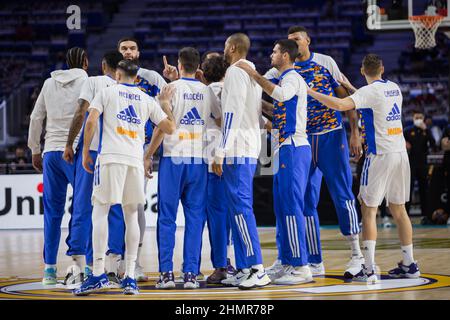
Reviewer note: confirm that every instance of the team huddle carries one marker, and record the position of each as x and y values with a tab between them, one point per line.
207	125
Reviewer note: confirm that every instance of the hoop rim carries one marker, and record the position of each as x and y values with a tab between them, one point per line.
426	18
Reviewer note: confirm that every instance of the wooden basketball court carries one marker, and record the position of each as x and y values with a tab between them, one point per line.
21	269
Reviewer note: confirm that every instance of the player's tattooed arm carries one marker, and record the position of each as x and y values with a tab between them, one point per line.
355	138
75	127
89	130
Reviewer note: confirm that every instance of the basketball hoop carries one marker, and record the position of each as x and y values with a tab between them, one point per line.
425	28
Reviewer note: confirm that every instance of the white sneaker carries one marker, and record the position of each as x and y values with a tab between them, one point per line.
235	281
139	274
275	267
295	275
354	266
317	269
255	279
74	278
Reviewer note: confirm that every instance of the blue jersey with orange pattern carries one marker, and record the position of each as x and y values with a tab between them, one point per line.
151	83
320	79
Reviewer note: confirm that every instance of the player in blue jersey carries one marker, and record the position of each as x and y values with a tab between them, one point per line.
151	83
330	153
80	240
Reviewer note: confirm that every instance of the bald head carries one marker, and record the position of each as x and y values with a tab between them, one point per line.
241	41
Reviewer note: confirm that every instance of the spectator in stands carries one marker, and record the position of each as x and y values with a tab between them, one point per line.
436	132
418	142
20	160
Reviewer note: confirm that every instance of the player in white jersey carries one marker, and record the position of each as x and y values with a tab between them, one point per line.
150	82
119	170
386	172
182	174
56	104
236	158
214	68
80	241
292	158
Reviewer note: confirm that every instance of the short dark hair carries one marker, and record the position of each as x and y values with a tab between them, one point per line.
288	46
418	111
372	64
214	68
127	39
207	53
75	57
112	58
129	67
295	29
189	58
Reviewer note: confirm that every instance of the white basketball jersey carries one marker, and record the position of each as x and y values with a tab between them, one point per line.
90	88
124	110
380	104
190	113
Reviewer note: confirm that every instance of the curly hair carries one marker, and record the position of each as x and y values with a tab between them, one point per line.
214	68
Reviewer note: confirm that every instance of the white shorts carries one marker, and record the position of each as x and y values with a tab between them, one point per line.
385	176
118	183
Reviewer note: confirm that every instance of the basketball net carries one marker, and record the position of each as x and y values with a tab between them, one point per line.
425	28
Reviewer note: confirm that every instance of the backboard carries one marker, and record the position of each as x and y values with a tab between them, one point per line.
384	15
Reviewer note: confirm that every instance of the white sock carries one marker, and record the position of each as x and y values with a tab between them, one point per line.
353	240
132	233
99	236
258	267
53	266
369	254
79	261
112	262
407	252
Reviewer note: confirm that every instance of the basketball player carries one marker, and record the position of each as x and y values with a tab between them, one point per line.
236	158
386	172
183	175
326	136
119	171
56	104
294	157
214	67
152	83
80	242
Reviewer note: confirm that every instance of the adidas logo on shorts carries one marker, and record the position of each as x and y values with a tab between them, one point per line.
395	114
129	115
192	117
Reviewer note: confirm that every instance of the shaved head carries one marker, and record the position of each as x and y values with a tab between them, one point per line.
241	41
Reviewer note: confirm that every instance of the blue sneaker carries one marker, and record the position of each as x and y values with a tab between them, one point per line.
49	277
368	277
129	286
87	272
412	271
92	284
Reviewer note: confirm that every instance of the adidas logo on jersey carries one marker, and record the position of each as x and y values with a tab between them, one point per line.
395	114
129	115
192	117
